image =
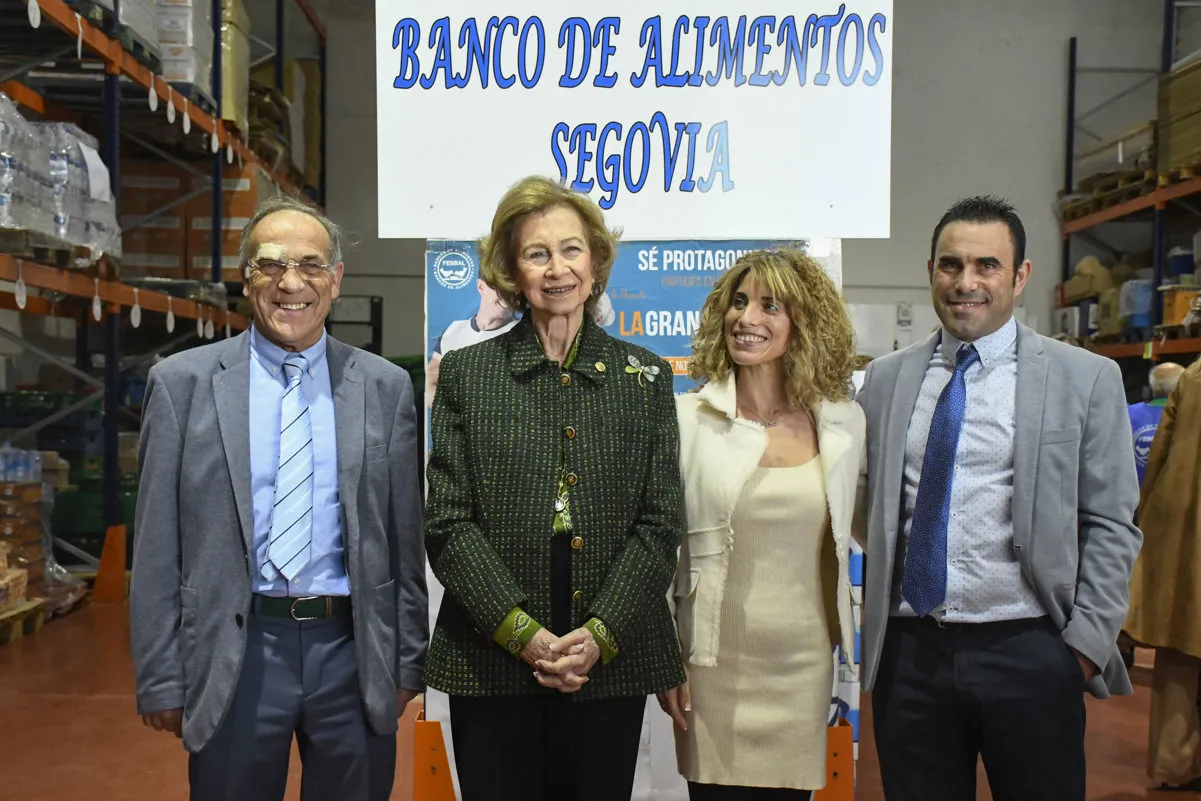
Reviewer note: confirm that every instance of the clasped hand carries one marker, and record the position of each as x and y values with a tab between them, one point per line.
562	663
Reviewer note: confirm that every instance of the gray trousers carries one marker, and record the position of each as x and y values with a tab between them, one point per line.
298	679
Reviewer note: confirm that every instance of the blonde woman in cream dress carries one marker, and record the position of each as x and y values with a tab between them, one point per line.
770	451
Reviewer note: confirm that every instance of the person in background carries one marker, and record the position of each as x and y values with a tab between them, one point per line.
999	534
1144	417
770	451
491	319
1167	581
278	591
1144	420
553	516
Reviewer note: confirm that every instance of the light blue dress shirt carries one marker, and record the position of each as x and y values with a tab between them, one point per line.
326	572
984	579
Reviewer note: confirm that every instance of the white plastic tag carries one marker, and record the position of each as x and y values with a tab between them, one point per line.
19	290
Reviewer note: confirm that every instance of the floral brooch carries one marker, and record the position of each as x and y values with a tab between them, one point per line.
635	367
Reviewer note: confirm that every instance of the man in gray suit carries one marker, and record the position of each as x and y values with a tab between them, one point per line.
1000	499
278	583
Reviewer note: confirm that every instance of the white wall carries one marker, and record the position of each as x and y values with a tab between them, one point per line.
979	106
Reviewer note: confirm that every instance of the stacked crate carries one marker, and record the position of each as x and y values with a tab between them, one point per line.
177	244
21	549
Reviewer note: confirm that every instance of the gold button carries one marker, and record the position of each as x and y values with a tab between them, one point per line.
600	367
572	479
569	432
577	595
565	379
577	542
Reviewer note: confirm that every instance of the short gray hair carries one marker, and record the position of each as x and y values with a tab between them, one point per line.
285	202
1163	378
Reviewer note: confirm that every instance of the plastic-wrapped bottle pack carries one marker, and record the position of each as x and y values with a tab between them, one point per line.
53	183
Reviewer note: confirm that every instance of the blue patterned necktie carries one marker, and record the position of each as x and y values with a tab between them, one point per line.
292	518
924	582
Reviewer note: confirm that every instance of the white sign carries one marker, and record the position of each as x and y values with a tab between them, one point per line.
680	118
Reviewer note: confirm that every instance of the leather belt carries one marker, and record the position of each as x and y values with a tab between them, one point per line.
312	607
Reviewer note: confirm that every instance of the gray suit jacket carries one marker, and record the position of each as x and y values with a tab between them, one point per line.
190	591
1074	495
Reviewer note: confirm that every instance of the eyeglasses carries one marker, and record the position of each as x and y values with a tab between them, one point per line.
274	268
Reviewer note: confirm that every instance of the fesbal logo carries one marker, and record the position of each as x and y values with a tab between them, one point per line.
454	269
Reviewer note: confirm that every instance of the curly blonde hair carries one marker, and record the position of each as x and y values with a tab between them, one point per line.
498	250
820	356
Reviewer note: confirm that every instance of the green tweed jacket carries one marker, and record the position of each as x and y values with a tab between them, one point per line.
501	415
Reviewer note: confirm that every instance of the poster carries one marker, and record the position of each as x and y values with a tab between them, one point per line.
653	298
680	119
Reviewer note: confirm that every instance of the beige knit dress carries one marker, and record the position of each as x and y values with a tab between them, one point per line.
759	716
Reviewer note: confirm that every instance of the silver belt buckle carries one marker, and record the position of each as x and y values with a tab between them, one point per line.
292	610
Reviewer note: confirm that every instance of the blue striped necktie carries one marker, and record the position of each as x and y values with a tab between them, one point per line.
292	517
924	581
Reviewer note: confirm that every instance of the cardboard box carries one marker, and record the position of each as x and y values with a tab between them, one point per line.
158	247
13	582
242	189
22	493
189	65
34	570
17	532
25	512
1176	304
148	186
21	552
181	25
200	254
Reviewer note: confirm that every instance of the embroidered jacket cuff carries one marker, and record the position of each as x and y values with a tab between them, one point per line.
604	639
515	631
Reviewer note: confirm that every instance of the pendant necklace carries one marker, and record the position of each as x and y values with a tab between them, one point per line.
757	418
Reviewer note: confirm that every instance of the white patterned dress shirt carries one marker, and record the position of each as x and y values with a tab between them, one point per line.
984	580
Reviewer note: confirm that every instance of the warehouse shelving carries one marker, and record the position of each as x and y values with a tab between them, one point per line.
1149	207
71	70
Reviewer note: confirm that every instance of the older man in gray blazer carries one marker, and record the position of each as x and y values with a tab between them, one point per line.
278	586
1000	500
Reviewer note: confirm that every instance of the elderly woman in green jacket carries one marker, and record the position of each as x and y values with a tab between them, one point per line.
552	520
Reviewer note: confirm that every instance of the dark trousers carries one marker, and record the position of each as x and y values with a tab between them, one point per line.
546	747
298	679
722	792
1011	693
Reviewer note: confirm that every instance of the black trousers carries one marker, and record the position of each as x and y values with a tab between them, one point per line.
1011	693
546	747
723	792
